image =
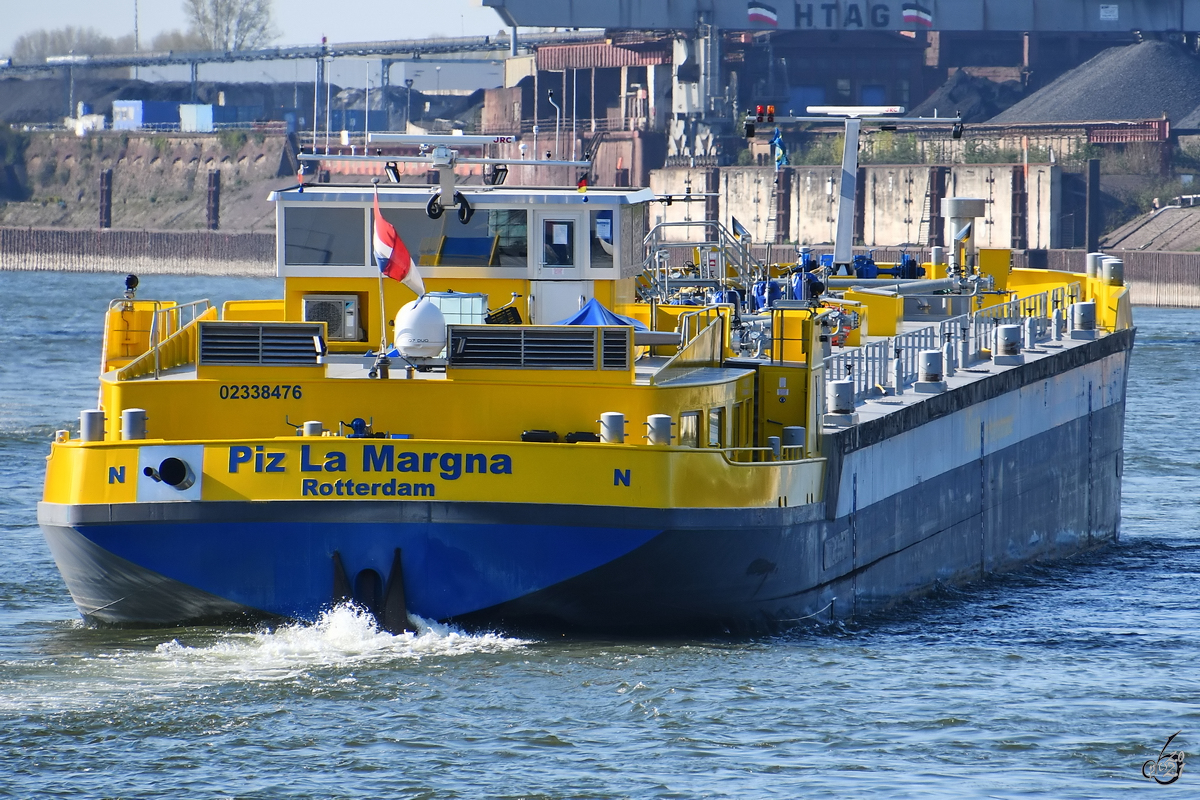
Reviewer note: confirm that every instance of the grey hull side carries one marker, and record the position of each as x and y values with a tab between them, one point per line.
108	589
1054	492
1040	500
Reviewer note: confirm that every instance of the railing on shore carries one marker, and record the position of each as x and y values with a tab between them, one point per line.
144	252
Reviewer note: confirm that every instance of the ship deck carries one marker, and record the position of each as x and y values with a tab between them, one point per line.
883	400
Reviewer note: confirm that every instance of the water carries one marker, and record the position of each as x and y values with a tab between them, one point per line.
1057	681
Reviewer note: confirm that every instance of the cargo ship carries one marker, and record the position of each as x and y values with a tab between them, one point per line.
581	421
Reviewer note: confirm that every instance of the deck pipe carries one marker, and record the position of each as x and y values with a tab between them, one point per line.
1031	327
1112	272
931	366
840	394
948	359
894	285
1008	340
1083	316
794	436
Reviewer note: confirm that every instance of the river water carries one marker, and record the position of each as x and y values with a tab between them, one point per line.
1057	681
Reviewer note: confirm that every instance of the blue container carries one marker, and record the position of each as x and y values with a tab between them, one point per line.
130	115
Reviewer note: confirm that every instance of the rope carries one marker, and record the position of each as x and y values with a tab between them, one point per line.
815	613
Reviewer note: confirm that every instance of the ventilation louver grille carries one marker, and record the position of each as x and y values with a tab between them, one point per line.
526	347
616	348
245	343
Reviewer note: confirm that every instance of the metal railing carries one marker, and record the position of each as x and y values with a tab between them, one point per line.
657	264
706	349
172	339
788	454
868	366
871	365
909	346
692	323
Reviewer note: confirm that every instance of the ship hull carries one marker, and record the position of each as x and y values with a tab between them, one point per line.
1023	466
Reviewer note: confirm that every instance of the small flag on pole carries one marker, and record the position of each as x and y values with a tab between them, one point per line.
392	256
761	13
583	184
917	14
739	230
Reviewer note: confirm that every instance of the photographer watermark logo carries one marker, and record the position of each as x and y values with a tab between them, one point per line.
1168	767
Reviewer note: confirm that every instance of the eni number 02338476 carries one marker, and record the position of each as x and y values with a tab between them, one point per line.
260	391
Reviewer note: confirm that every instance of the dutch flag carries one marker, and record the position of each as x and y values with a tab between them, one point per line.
916	14
762	13
392	256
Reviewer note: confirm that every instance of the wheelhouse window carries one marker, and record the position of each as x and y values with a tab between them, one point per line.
558	242
689	429
716	427
324	236
602	247
488	239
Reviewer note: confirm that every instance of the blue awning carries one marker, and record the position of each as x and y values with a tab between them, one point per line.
594	313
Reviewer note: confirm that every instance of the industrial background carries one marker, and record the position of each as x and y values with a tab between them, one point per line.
1082	117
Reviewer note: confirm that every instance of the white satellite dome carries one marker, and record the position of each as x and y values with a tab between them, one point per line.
420	329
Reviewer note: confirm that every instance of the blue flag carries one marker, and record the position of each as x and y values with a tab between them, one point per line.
739	230
781	159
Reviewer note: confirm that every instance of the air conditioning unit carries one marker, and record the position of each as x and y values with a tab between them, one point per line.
339	312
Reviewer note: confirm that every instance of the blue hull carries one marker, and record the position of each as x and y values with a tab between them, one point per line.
286	569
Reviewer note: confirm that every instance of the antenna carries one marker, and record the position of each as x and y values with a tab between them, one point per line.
438	151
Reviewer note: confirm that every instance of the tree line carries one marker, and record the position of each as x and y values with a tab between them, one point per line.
212	25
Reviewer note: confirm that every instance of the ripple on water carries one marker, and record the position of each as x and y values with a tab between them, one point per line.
1053	681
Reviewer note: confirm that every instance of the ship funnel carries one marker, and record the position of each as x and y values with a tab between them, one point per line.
420	329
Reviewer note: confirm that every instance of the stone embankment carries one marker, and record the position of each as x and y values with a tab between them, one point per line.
159	180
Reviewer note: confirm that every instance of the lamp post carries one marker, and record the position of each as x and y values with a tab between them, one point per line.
408	82
557	121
